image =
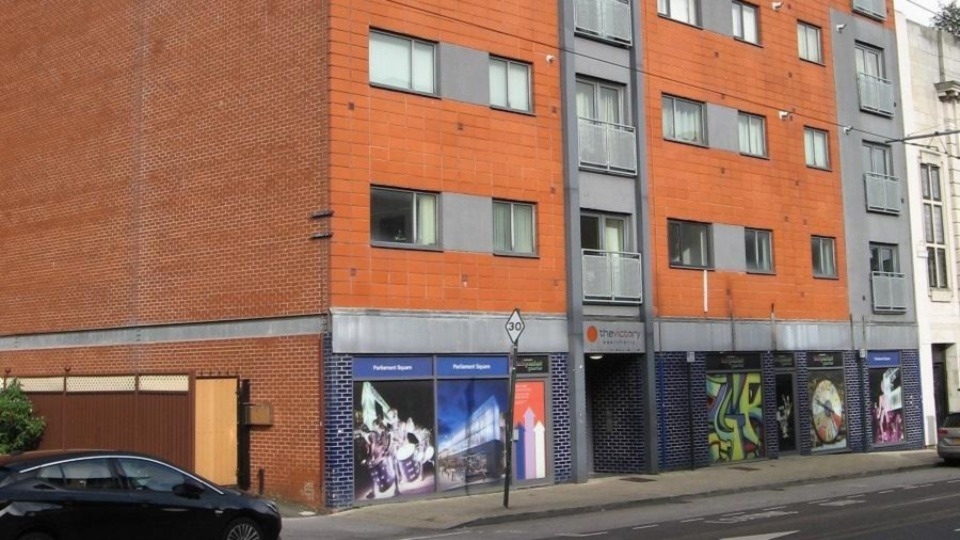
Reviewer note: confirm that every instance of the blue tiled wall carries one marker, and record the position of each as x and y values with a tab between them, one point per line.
770	425
682	403
560	392
616	392
337	428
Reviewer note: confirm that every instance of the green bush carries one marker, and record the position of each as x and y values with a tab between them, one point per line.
19	428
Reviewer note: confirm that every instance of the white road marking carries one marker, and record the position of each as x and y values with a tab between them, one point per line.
924	485
846	502
691	520
818	501
582	535
774	508
908	487
646	526
886	491
444	535
855	496
769	536
752	517
952	481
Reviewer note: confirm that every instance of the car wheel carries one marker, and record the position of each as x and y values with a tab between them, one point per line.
36	536
243	529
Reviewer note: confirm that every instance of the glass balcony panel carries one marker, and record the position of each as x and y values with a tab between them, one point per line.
606	19
612	277
883	193
607	146
873	8
876	94
889	292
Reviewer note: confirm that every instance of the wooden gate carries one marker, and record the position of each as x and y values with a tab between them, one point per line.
215	450
143	413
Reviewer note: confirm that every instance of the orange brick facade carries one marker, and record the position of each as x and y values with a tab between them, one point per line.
780	194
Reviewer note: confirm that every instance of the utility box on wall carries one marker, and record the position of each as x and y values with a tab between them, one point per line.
258	414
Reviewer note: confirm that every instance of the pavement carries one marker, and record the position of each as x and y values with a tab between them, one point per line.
624	491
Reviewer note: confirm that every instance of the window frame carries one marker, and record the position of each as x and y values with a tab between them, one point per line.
861	50
877	250
758	235
738	10
434	79
821	242
938	263
664	8
701	106
529	90
512	251
602	219
819	35
808	130
415	227
597	86
676	258
763	132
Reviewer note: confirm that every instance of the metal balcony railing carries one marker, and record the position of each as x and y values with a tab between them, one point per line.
612	277
607	146
883	193
872	8
605	19
889	292
876	94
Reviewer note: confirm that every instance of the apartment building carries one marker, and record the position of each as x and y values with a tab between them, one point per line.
279	242
928	59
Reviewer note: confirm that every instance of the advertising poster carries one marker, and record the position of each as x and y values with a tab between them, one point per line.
529	424
393	443
828	420
735	415
470	432
886	397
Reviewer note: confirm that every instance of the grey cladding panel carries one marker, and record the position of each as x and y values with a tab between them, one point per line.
467	223
728	247
723	130
464	74
717	16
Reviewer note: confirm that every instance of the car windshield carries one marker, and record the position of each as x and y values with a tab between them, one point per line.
951	421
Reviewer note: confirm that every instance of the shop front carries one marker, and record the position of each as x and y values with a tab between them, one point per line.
828	421
734	391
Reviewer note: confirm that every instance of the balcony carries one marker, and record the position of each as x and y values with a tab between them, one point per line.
605	19
612	277
876	94
883	193
871	8
889	292
606	146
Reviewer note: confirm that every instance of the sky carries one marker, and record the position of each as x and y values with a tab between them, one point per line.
919	10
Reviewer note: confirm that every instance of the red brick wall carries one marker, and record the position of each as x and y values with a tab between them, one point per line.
392	138
161	162
780	194
284	372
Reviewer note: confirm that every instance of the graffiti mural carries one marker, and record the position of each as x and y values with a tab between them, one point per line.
735	414
828	421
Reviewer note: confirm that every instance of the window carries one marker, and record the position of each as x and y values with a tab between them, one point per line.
933	229
876	92
401	62
869	61
82	474
745	22
824	257
759	244
686	11
509	84
884	258
600	101
817	149
143	475
513	228
603	233
808	41
883	189
683	120
753	135
405	217
689	244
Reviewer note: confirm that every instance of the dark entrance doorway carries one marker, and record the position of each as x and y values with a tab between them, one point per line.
940	381
786	413
614	413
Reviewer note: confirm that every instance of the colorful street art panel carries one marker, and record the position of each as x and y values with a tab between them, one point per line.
529	423
887	405
828	426
735	414
471	420
393	439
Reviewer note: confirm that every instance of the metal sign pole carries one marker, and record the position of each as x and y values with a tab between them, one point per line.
509	426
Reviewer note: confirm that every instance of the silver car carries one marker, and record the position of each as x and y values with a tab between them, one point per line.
948	438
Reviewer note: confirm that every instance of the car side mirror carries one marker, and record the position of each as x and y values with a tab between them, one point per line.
188	490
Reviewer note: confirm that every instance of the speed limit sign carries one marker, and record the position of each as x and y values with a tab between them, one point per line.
515	326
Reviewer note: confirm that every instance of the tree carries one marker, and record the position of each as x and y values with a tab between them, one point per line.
948	18
20	429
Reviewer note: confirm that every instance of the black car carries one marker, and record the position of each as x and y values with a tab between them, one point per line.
106	495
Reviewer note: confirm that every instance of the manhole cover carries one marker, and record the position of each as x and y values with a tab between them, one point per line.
637	479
